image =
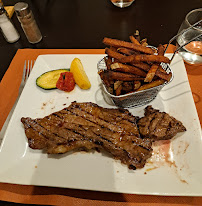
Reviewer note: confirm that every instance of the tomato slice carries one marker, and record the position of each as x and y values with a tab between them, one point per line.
66	82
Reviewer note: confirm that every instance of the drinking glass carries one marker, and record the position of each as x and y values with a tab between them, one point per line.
191	52
122	3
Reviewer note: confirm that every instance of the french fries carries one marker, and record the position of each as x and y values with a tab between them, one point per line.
126	51
118	90
113	54
142	66
134	40
160	50
145	58
121	76
151	84
136	85
119	43
144	42
108	62
151	73
132	66
127	69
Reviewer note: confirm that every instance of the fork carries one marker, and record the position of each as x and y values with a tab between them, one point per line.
28	65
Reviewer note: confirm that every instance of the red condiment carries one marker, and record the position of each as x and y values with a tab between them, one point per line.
66	82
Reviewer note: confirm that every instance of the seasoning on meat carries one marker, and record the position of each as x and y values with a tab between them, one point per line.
158	125
88	126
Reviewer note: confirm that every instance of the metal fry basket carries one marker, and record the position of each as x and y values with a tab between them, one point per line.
134	99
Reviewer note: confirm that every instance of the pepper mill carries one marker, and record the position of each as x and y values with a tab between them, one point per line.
10	33
28	23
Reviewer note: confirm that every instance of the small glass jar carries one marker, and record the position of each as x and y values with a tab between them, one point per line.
8	30
28	23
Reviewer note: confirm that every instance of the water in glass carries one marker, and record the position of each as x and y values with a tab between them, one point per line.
192	52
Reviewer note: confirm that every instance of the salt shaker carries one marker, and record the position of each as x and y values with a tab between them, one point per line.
10	33
28	23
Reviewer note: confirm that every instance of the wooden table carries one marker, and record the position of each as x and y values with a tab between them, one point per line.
84	23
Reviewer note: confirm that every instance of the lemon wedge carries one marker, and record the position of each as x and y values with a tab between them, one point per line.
79	74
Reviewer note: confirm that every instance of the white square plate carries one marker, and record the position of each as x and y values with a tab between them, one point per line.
174	169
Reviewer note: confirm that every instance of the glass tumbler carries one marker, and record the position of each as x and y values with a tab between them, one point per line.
122	3
191	52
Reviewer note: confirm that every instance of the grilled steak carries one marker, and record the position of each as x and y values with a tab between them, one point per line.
158	125
88	126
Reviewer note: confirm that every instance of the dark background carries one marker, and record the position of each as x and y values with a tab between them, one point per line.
82	24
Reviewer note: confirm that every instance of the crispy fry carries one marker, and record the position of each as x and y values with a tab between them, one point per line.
161	69
132	66
113	48
128	69
116	60
108	62
113	54
151	73
121	76
107	81
150	85
118	90
127	87
117	84
144	58
136	85
134	40
144	42
119	43
164	76
127	51
160	50
142	65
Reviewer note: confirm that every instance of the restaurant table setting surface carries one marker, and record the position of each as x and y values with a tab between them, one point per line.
61	196
72	29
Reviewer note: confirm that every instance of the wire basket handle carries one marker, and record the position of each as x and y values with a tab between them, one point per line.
173	38
183	46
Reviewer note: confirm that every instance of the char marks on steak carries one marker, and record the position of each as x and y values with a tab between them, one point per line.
158	125
88	126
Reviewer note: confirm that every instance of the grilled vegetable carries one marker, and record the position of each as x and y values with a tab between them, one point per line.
66	82
49	79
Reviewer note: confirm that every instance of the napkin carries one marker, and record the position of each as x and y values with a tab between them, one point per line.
61	196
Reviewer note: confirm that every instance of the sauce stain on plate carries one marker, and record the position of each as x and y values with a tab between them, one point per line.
163	155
